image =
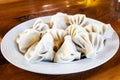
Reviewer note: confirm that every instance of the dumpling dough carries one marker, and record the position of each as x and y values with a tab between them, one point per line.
39	25
74	29
39	20
59	21
78	19
97	41
58	36
43	50
67	52
27	38
30	52
105	30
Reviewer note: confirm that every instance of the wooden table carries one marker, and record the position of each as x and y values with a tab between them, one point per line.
15	12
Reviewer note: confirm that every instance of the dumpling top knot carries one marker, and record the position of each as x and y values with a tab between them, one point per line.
40	25
78	19
59	21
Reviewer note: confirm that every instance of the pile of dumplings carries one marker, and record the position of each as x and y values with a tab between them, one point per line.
64	39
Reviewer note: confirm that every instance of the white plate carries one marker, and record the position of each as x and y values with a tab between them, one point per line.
11	53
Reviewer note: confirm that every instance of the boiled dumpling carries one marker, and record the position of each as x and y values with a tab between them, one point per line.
67	52
81	38
105	30
27	38
43	50
59	21
83	41
58	36
96	40
89	43
78	19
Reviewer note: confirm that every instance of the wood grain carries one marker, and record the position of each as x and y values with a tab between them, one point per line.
14	12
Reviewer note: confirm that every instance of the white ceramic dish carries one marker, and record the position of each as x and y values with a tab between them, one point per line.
11	53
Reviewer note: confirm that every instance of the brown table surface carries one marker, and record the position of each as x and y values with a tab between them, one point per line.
14	12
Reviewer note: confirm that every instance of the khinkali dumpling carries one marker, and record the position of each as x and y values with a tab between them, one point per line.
58	36
27	38
105	30
88	43
59	21
96	40
43	50
83	41
78	19
39	25
67	52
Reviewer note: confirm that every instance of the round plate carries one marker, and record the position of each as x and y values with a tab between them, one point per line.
11	53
